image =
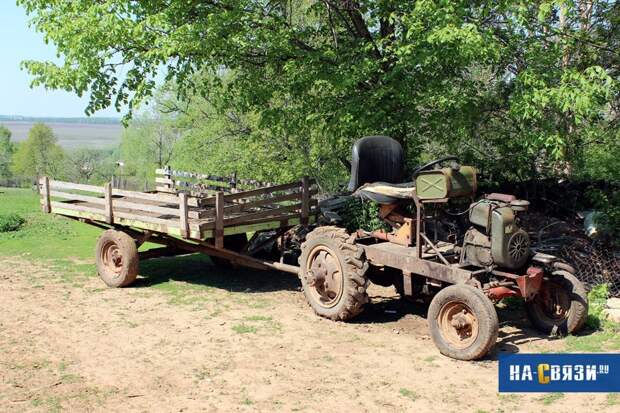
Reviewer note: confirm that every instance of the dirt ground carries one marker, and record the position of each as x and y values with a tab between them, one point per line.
241	341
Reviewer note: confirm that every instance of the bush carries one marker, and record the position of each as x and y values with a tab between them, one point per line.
11	222
597	300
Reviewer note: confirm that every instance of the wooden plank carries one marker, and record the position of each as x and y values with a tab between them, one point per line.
183	215
121	203
78	197
261	214
76	187
219	220
262	191
45	188
158	197
305	200
77	207
109	210
164	181
261	202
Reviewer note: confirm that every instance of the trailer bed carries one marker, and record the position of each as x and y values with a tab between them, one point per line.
192	206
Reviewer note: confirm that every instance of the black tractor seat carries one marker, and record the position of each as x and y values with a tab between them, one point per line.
385	193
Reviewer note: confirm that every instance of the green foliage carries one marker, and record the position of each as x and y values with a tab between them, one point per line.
597	299
608	204
276	90
11	222
360	214
6	152
39	155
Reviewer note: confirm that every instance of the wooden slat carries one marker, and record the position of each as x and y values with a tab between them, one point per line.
45	193
183	215
76	187
120	203
165	198
77	207
164	181
219	220
262	191
261	202
78	197
305	200
108	203
255	215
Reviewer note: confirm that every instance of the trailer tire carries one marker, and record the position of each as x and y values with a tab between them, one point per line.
333	273
571	299
117	258
463	322
234	242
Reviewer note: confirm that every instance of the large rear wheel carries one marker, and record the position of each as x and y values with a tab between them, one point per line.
117	258
463	322
333	273
561	305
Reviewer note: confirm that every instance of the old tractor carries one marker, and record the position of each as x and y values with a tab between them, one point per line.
462	261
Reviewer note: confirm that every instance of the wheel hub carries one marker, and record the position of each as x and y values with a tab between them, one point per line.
325	276
113	258
458	324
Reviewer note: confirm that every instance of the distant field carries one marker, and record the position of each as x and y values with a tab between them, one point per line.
73	135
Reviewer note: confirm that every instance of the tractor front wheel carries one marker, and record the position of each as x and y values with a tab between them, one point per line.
117	258
333	273
463	322
561	305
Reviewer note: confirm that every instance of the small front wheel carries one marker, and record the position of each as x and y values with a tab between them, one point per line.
561	305
463	322
117	258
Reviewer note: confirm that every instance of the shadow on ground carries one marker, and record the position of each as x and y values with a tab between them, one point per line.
198	269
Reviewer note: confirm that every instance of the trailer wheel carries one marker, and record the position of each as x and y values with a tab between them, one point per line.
561	305
236	243
117	258
463	322
333	273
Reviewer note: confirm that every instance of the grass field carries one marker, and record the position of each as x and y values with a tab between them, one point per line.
73	135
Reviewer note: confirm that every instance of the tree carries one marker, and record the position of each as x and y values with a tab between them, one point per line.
89	165
6	152
39	155
532	82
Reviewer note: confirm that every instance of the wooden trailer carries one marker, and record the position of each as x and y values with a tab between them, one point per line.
188	212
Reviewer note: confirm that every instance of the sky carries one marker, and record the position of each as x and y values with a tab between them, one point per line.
20	42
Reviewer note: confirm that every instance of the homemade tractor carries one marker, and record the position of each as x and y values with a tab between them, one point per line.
431	252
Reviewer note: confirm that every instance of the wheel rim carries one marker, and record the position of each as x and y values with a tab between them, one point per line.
554	302
458	324
325	280
112	258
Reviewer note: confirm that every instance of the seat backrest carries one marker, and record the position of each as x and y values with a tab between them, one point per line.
376	159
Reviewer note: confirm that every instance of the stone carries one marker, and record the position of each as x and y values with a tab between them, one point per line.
612	314
613	303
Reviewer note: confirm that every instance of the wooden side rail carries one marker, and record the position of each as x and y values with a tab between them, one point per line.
170	180
171	210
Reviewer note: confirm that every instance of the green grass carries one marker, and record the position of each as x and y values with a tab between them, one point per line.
613	399
243	328
551	398
410	394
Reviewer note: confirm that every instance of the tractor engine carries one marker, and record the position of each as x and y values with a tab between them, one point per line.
495	239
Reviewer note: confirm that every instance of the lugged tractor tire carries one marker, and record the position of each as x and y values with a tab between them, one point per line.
563	292
463	322
117	258
333	273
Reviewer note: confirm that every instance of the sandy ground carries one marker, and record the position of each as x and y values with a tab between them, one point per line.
251	345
